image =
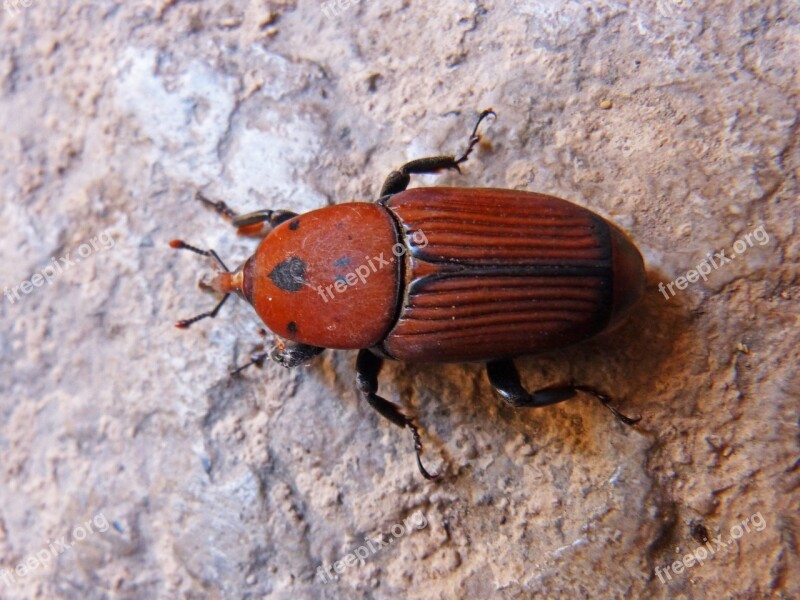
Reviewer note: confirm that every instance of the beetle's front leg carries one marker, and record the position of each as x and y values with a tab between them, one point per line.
504	378
258	223
256	359
368	367
397	181
293	354
286	354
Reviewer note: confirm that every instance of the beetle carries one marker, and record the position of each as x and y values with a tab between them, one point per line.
434	274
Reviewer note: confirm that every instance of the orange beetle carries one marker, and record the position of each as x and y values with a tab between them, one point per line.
435	275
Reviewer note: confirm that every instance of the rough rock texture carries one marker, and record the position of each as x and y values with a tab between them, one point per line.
678	120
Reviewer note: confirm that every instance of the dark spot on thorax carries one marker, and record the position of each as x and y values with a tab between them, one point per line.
289	275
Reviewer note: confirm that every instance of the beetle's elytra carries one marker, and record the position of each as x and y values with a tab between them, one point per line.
435	275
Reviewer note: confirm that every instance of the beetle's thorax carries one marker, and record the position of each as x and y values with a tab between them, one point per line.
328	278
246	286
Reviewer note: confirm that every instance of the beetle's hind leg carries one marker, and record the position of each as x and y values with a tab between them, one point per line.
504	378
397	181
367	368
258	223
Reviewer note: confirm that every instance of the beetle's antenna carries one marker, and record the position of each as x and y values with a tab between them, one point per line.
184	323
180	245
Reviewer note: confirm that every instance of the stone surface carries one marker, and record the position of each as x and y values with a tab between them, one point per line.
678	120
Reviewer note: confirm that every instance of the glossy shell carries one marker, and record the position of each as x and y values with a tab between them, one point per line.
501	273
445	274
312	278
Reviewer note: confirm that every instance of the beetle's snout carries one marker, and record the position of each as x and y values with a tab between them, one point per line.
226	282
629	276
238	282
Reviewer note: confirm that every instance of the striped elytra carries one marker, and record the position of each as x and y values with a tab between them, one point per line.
501	273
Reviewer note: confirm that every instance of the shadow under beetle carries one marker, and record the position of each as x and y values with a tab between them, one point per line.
438	274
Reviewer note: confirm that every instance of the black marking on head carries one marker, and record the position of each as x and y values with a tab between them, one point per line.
292	327
289	275
294	225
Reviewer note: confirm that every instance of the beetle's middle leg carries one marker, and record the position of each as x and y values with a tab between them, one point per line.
397	181
258	223
504	378
367	368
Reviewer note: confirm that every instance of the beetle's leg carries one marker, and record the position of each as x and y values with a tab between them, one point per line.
367	368
258	223
255	359
293	354
474	138
605	400
397	181
504	378
261	222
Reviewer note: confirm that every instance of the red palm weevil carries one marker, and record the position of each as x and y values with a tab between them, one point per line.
437	274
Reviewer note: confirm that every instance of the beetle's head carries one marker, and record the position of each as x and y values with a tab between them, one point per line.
226	281
239	282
